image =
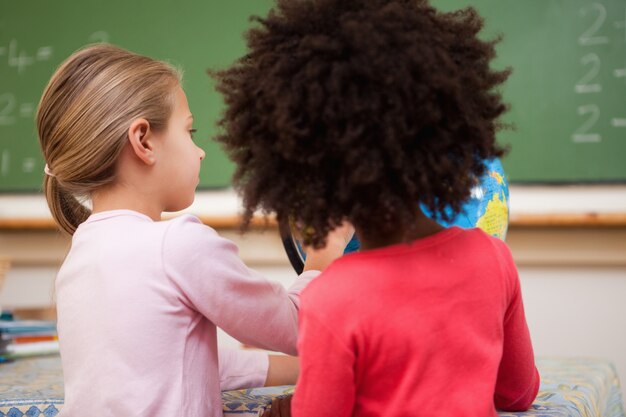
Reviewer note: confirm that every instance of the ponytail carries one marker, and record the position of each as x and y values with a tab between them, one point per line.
66	210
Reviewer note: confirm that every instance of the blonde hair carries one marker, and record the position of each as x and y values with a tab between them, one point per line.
83	119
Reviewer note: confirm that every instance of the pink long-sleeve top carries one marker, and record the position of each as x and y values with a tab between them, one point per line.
138	303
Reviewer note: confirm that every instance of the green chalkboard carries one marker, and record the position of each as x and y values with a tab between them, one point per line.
567	92
37	35
568	88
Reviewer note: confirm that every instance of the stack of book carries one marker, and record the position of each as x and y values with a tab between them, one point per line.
23	338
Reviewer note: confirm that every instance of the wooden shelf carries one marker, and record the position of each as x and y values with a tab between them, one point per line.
234	221
217	222
569	220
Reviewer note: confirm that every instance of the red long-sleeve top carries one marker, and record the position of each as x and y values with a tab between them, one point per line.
431	328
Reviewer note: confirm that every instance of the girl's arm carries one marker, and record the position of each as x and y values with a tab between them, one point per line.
518	379
245	368
326	386
213	280
241	369
283	370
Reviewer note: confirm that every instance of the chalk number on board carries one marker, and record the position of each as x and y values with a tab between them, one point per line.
589	83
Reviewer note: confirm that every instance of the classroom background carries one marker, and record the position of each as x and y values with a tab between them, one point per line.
566	169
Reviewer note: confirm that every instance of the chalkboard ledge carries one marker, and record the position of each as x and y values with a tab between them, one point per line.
531	206
568	205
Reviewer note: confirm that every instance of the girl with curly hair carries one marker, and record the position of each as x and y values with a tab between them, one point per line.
360	111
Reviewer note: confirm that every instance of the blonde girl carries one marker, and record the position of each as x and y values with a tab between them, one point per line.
139	298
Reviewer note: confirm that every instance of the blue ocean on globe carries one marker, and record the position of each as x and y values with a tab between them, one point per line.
488	206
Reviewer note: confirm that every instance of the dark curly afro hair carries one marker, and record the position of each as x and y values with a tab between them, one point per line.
360	110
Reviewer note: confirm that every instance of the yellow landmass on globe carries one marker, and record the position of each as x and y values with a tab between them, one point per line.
496	217
496	176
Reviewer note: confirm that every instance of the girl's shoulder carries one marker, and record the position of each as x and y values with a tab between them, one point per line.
183	221
185	237
187	230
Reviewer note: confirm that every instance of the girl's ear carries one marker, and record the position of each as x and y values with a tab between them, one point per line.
141	137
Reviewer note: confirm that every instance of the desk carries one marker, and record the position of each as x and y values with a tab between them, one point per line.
570	387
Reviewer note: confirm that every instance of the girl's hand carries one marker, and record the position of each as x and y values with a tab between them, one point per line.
341	236
336	241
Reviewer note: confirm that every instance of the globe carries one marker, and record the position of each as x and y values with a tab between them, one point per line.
487	208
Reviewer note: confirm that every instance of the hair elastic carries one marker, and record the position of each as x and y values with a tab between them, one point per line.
46	169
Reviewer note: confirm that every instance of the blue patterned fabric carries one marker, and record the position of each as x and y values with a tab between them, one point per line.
31	387
252	401
576	387
570	387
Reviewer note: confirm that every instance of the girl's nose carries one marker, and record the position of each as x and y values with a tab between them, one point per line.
202	153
